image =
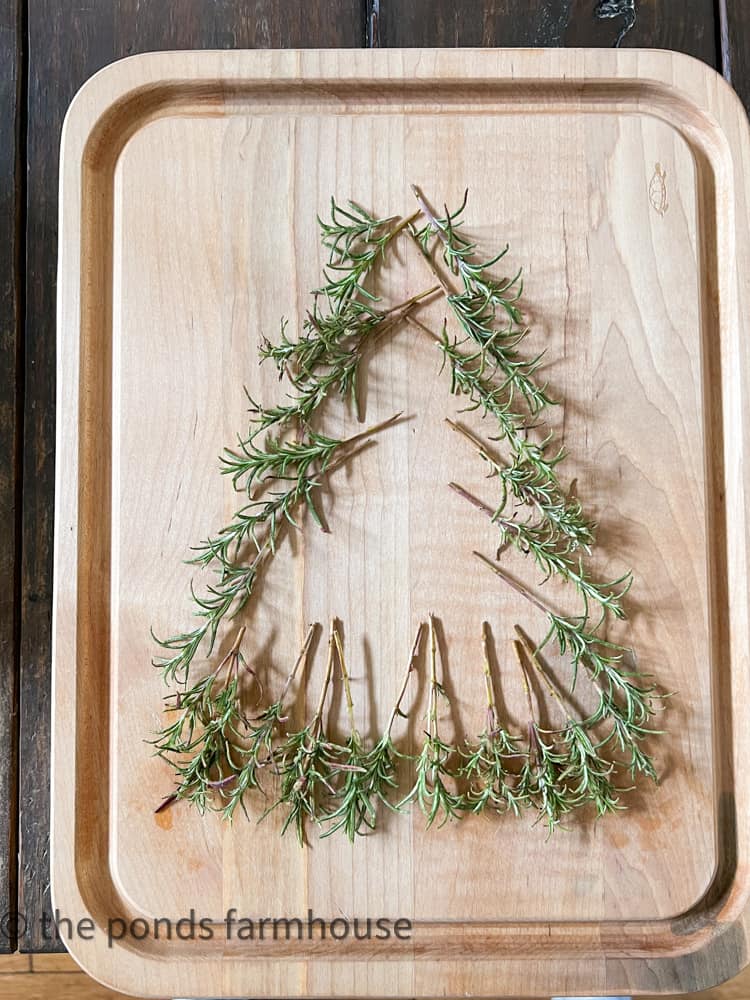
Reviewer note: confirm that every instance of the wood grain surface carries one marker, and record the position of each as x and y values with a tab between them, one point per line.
642	903
11	381
67	46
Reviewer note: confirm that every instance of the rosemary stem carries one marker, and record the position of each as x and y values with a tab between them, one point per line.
446	289
533	657
476	502
316	722
425	329
301	658
394	317
345	679
266	548
411	301
519	588
505	522
238	641
407	677
491	703
518	650
231	659
474	440
404	223
375	429
432	721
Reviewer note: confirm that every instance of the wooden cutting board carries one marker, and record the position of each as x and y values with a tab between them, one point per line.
190	183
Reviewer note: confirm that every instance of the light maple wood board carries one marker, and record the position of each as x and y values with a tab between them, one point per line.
190	187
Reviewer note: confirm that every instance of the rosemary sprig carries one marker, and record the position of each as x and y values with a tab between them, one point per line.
355	808
541	541
307	763
541	782
325	335
626	698
209	718
300	463
492	782
356	242
588	775
432	765
258	750
527	485
371	777
342	319
479	301
329	365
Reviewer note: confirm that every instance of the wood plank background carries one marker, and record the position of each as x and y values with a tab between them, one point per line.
47	50
11	379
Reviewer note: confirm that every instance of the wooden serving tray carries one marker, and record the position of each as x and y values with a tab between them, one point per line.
190	183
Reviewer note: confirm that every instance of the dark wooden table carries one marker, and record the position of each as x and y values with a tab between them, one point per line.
47	49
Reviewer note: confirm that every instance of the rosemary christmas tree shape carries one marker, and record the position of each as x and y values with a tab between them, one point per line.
218	748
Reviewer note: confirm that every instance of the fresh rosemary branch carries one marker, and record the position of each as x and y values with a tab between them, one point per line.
626	698
355	808
541	782
528	486
584	770
334	335
432	765
307	763
334	342
492	783
337	352
540	540
300	463
209	718
479	301
356	242
257	750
